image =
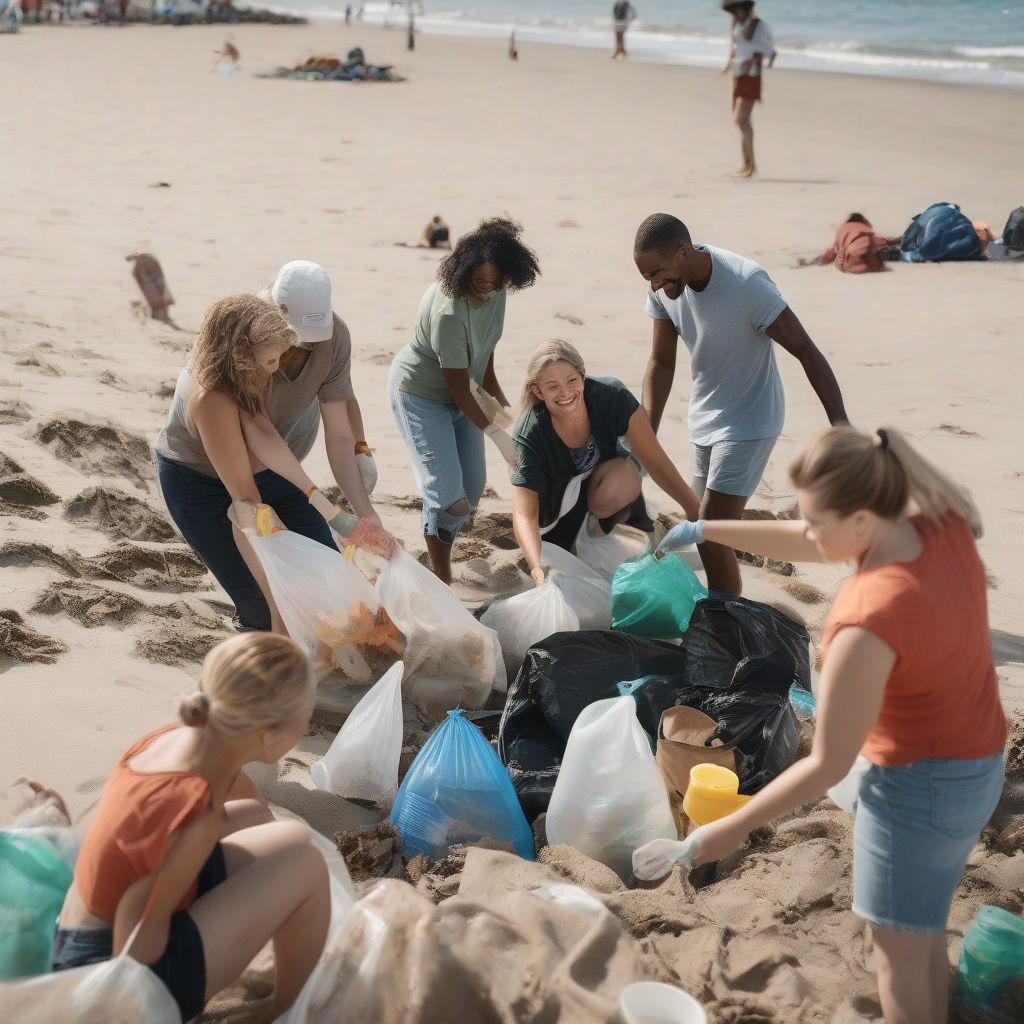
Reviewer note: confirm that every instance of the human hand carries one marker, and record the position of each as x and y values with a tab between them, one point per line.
255	518
505	445
718	840
370	535
683	536
538	576
367	466
655	859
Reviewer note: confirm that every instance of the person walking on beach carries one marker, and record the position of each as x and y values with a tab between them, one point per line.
246	409
439	381
752	44
572	467
727	311
622	14
181	841
907	680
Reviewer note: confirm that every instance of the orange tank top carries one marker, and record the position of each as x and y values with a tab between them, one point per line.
942	697
137	814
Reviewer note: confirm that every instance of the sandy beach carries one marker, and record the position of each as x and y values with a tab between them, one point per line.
119	140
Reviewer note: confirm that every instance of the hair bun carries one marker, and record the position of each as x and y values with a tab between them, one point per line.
195	710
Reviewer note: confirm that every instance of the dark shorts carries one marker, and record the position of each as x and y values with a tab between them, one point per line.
746	87
182	968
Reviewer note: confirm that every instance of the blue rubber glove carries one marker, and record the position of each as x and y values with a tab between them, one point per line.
683	535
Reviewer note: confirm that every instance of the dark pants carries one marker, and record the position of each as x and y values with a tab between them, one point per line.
199	505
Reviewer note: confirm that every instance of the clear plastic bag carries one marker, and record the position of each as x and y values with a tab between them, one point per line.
587	594
609	798
604	554
328	606
457	792
443	640
362	762
654	596
523	620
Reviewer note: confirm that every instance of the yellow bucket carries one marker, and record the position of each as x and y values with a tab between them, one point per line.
713	793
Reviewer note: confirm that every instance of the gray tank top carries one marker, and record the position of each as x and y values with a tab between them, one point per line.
179	440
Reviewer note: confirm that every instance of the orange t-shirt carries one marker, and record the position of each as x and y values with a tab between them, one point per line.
942	698
137	814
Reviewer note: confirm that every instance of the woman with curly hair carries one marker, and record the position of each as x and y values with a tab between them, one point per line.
442	382
220	455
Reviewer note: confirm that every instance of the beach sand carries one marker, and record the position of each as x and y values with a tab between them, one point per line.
124	140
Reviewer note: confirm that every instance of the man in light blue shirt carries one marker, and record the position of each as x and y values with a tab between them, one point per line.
727	310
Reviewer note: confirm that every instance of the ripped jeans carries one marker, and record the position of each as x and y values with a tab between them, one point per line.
447	458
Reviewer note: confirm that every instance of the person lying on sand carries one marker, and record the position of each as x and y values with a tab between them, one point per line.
432	380
858	248
244	411
728	312
182	843
572	467
435	235
907	680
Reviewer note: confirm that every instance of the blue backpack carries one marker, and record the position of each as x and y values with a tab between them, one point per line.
940	234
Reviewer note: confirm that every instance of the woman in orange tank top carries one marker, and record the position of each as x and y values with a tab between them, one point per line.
907	680
181	842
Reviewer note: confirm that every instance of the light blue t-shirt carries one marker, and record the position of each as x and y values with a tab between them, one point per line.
737	391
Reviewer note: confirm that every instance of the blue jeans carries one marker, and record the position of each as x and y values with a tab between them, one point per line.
199	504
447	458
915	828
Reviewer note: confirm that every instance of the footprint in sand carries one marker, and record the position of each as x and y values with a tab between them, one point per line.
22	643
13	411
98	449
953	428
119	515
575	320
47	369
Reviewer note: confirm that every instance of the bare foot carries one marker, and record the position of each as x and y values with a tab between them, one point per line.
745	172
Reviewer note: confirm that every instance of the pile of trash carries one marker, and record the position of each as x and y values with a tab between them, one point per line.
328	68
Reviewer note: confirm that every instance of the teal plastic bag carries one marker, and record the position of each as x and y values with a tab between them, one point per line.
34	878
654	596
993	955
457	791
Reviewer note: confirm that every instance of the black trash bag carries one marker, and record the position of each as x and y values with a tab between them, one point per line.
736	666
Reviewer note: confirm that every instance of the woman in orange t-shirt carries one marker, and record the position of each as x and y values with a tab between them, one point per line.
907	680
181	843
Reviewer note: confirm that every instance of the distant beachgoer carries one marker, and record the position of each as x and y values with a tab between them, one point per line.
727	310
858	248
433	379
572	466
752	43
149	276
907	681
623	13
246	410
359	13
513	53
227	56
436	234
348	14
179	821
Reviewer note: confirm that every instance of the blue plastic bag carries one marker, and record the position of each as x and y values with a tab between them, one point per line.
457	792
654	596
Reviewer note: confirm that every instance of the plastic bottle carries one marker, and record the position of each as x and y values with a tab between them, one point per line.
993	955
803	702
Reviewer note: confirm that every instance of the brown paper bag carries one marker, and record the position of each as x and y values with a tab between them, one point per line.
681	737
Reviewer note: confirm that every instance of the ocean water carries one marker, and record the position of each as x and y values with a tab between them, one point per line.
952	40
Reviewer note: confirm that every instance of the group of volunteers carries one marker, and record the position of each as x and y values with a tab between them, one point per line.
181	841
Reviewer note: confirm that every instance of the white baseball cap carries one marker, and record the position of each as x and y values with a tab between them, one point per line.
304	289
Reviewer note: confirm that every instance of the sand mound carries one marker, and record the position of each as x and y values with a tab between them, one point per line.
119	515
13	411
493	527
189	637
24	554
98	449
166	569
23	644
17	488
88	604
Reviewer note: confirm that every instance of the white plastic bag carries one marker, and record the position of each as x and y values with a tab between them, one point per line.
528	618
587	594
609	798
327	606
443	641
845	794
605	553
362	763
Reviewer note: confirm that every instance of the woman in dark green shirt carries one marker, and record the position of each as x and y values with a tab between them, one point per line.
571	460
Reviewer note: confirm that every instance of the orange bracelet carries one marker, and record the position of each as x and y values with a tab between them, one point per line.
309	493
362	448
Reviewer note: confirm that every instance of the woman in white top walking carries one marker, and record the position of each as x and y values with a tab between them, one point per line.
752	43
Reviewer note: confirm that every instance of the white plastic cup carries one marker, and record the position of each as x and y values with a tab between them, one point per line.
651	1002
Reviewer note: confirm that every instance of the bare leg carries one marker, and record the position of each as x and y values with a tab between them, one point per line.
904	971
276	888
939	970
612	488
741	118
720	562
440	558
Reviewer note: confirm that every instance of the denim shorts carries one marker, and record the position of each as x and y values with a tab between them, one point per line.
182	968
915	828
730	467
448	458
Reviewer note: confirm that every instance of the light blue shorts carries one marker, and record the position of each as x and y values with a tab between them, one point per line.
730	467
916	826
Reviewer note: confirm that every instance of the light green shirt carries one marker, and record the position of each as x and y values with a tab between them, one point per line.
451	334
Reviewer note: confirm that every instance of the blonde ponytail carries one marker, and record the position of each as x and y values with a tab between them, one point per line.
880	472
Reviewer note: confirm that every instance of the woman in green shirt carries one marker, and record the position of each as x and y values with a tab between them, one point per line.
571	458
442	381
